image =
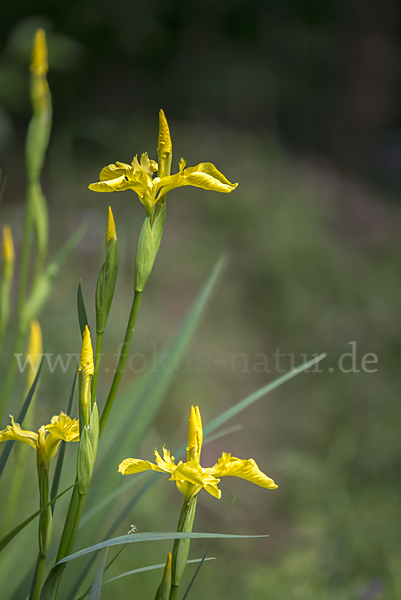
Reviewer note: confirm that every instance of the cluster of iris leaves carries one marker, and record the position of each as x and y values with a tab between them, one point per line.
138	404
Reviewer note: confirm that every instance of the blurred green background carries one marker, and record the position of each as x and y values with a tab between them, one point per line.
299	102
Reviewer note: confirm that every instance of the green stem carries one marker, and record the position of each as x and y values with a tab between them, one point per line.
25	252
121	361
11	371
181	547
20	453
38	579
68	525
99	341
81	501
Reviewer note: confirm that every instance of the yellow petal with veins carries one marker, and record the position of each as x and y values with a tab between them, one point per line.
228	466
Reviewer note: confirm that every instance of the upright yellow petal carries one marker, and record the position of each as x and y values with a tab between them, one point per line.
195	435
41	449
39	55
14	432
34	353
164	145
228	465
85	371
61	428
111	228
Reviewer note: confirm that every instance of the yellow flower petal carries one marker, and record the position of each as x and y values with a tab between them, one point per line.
14	432
118	184
192	472
134	465
228	465
62	427
114	171
165	464
195	435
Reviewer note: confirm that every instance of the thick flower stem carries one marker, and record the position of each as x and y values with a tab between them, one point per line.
181	547
11	371
121	361
68	525
38	579
78	514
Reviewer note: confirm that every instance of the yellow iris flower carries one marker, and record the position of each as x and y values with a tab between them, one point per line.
138	176
190	477
48	438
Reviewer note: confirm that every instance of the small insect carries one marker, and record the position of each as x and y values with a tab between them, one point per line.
133	529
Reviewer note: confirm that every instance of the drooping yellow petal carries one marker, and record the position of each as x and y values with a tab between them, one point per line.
195	435
39	55
118	184
134	465
204	175
111	228
228	466
207	177
34	353
14	432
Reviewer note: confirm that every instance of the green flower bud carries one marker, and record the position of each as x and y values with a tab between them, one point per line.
163	591
148	246
107	277
87	451
181	547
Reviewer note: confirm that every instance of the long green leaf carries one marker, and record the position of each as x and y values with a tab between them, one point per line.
243	404
21	417
82	316
153	567
10	536
97	583
153	537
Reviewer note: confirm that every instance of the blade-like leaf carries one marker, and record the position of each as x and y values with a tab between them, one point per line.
20	419
10	536
153	567
153	537
82	316
243	404
97	583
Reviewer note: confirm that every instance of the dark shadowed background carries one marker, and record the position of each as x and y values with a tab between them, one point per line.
299	102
